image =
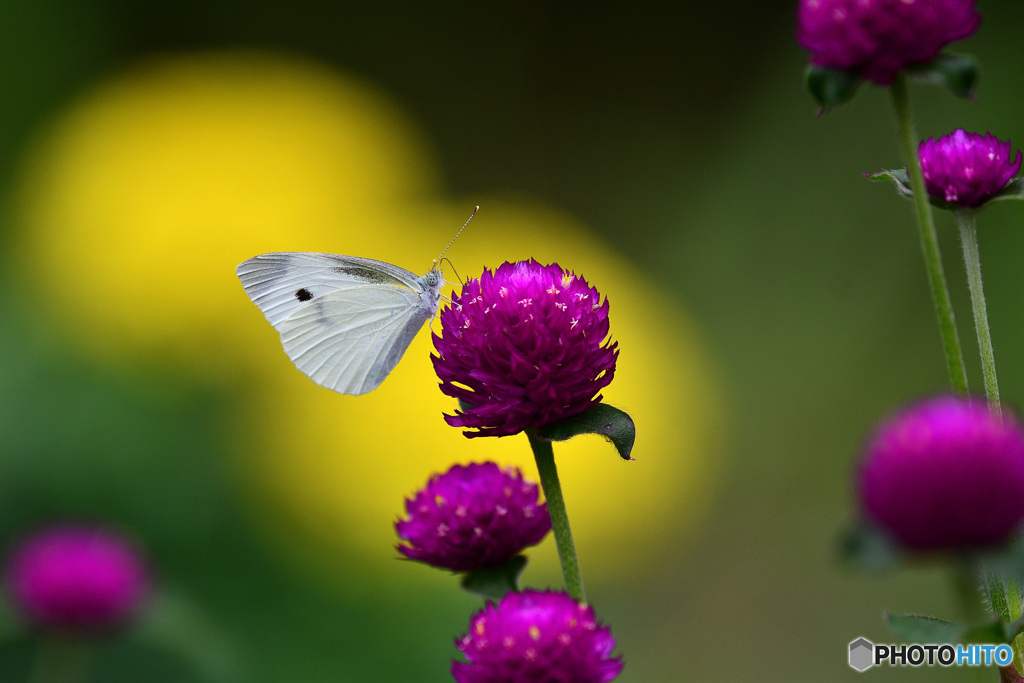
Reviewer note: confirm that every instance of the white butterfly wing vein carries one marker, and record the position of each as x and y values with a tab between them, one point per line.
344	321
352	340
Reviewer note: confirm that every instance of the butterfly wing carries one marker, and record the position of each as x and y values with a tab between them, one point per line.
344	321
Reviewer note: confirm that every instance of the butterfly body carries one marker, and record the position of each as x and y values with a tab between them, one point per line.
345	321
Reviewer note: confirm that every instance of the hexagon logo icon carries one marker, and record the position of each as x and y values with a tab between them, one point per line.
862	654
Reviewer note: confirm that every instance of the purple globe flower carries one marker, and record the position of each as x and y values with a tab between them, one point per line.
967	169
878	38
525	346
536	637
944	474
77	578
473	516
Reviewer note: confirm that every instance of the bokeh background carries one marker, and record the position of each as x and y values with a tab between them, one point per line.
770	305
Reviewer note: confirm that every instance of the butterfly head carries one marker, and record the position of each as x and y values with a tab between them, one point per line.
433	277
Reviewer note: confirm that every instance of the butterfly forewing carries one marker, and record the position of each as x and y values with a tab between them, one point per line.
281	282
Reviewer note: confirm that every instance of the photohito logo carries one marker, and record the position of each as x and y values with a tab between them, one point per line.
864	654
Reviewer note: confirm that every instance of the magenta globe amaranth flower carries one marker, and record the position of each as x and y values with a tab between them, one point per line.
967	169
476	515
536	637
524	347
945	474
878	38
77	578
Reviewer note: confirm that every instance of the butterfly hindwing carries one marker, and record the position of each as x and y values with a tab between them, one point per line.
349	341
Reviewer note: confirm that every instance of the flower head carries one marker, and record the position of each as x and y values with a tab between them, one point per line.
878	38
524	346
77	578
947	473
472	516
967	169
536	637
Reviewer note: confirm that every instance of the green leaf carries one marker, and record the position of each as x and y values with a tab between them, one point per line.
959	73
831	87
898	176
600	418
866	547
919	629
494	582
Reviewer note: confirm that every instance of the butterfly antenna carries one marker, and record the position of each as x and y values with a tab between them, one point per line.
458	280
475	209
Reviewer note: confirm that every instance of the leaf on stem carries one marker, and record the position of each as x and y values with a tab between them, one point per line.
898	176
958	73
600	418
918	629
494	582
831	87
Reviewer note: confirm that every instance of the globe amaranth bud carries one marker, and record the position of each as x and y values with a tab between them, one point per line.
967	169
945	474
476	515
77	578
523	347
536	637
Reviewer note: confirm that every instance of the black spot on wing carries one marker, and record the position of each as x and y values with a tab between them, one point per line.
303	294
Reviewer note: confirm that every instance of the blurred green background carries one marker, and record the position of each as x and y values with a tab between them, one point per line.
770	304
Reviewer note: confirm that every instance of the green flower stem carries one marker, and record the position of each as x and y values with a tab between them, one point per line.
1013	600
929	240
972	260
1004	596
968	578
545	457
61	660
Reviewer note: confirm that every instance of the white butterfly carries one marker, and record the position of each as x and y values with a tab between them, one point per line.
345	321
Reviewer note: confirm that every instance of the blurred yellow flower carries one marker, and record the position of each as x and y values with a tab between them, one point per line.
137	205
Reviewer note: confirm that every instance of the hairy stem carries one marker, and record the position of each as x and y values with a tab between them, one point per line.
545	458
929	240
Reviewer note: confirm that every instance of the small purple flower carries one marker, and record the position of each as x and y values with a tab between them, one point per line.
878	38
473	516
946	473
967	169
536	637
77	578
525	346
